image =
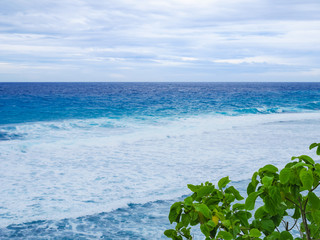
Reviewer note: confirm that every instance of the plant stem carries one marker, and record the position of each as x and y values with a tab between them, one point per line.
301	234
304	219
295	222
315	187
292	201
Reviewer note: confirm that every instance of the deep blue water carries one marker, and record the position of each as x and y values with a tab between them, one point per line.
106	160
30	102
119	224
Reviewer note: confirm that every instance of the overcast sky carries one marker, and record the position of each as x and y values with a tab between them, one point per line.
165	40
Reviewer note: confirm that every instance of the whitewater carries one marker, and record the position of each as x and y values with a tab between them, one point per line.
113	157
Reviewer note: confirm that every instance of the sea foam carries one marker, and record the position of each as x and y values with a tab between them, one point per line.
72	168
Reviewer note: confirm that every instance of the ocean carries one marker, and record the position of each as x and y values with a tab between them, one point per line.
107	160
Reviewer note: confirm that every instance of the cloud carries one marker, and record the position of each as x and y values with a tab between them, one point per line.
260	60
116	75
312	72
13	68
161	37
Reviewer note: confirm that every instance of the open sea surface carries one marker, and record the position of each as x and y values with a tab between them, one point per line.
107	160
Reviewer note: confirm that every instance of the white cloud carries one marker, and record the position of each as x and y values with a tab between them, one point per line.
312	72
116	75
189	59
169	63
6	67
129	34
259	60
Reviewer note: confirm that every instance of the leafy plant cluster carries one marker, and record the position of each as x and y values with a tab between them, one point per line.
288	202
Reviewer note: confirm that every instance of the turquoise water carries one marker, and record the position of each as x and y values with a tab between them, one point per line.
106	160
31	102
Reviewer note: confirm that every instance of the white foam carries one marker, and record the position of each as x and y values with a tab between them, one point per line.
62	170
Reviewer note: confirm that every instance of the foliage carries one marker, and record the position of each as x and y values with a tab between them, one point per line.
288	201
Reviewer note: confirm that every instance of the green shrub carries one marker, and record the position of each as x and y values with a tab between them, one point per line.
288	201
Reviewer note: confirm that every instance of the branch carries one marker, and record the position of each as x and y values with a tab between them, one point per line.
304	219
182	234
285	224
295	222
301	234
292	201
315	187
305	205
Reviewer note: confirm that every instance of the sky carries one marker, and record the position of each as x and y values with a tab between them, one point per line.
159	40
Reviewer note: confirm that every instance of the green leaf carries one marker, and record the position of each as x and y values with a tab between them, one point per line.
194	216
306	159
188	201
225	235
268	168
235	192
313	145
267	181
273	236
229	197
238	206
251	200
185	219
223	182
193	188
260	212
306	178
317	172
243	217
251	188
301	164
297	213
285	175
275	194
204	191
314	201
293	158
211	224
226	223
270	205
236	230
175	211
290	164
316	216
285	236
268	225
254	233
205	230
254	178
295	190
179	226
170	233
204	210
186	232
314	231
277	219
